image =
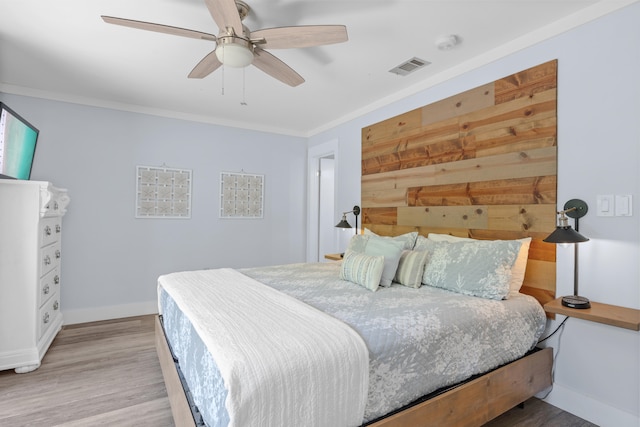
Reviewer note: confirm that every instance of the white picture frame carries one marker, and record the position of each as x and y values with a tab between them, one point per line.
241	195
163	192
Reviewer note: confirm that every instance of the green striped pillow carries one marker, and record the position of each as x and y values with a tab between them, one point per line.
361	269
411	268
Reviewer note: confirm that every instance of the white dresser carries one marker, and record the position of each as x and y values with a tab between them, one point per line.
30	254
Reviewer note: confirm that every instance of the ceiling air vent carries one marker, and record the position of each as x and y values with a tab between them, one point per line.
409	66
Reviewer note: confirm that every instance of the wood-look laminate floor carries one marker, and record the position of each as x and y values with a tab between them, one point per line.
107	373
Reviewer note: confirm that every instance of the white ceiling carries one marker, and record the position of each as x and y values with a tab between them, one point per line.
63	50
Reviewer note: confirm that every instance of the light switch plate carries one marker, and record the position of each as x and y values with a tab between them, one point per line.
605	205
623	205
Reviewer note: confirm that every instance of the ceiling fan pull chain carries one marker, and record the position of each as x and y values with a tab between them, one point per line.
223	80
244	72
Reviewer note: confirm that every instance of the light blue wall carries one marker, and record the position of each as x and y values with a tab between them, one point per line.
598	369
111	260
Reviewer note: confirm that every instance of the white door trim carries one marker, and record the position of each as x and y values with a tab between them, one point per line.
314	155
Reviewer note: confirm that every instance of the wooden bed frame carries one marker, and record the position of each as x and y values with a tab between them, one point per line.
481	164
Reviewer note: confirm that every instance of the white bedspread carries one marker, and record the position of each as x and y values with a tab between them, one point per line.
283	362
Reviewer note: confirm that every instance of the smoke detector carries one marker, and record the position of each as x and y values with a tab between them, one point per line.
447	42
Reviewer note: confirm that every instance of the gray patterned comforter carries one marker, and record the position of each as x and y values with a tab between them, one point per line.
419	339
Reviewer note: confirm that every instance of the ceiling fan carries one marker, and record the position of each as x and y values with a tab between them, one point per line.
237	46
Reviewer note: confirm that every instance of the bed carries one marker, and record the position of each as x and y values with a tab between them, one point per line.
418	339
474	168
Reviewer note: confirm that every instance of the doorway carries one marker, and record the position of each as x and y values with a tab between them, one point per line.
322	176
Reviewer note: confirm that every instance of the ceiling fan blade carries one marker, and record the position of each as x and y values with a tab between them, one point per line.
225	14
276	68
206	66
301	36
159	28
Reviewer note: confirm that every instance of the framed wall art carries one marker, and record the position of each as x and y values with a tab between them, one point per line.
163	192
241	195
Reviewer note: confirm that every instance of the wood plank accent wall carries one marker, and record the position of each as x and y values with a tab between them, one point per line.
479	164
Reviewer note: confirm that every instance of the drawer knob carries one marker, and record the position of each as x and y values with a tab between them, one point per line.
58	228
47	260
56	305
58	254
56	279
45	290
45	318
47	230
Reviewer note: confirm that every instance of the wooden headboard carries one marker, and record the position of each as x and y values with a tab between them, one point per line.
480	164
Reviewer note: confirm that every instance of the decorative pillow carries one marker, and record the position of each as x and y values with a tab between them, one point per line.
357	243
391	250
370	244
411	268
361	269
519	267
480	268
409	239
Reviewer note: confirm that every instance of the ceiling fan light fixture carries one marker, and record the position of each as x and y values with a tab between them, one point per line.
234	52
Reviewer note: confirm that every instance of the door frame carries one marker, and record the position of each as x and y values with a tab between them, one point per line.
314	154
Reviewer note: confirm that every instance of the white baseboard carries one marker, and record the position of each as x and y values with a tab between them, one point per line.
590	409
85	315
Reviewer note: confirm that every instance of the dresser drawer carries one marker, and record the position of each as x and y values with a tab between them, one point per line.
49	285
50	230
48	314
49	258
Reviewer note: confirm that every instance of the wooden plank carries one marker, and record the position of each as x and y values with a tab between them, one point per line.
459	104
541	250
529	190
622	317
444	216
386	198
534	218
390	128
538	162
480	131
433	152
482	399
527	82
541	274
541	106
382	216
419	147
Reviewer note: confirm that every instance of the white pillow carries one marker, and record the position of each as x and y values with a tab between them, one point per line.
519	268
409	239
361	269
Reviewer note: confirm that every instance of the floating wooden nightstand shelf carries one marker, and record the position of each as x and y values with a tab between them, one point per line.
622	317
334	257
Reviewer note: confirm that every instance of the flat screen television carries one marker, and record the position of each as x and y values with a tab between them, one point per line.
17	144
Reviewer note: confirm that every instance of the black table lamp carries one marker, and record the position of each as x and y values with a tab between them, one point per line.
344	224
565	234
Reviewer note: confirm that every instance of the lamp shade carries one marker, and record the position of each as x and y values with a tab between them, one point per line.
343	223
565	234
